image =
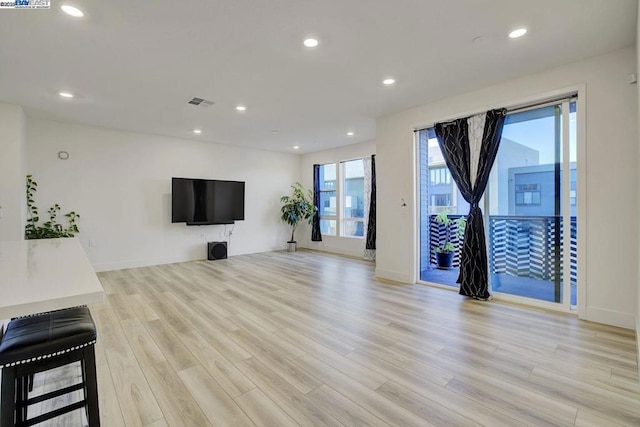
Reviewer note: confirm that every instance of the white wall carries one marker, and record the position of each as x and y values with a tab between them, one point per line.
340	245
12	172
610	231
120	183
638	272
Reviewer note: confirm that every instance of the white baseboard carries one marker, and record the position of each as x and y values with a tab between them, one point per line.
120	265
638	337
395	276
140	263
334	250
609	317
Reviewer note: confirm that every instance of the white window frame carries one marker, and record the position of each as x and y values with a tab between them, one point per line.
338	204
339	217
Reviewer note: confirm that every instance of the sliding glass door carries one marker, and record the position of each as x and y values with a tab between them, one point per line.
531	206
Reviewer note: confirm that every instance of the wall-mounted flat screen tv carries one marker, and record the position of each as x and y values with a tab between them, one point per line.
206	201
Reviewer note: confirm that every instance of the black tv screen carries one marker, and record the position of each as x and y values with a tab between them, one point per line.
206	201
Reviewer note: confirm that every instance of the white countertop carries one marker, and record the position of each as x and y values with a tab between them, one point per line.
43	275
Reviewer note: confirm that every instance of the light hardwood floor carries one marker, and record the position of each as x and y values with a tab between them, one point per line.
285	339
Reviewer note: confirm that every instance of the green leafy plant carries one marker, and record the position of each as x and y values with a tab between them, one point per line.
51	228
460	225
297	207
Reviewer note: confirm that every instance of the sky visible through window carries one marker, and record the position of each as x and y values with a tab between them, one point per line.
534	134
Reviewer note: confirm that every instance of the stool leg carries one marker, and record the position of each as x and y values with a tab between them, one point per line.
22	394
8	398
91	386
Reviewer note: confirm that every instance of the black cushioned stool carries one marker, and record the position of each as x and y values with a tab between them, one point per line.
41	342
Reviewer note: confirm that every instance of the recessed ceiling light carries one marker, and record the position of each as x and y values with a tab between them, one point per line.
241	108
65	94
311	42
388	82
197	131
350	133
295	147
519	32
73	11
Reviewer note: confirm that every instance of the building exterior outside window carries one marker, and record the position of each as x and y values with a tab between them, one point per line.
353	199
328	201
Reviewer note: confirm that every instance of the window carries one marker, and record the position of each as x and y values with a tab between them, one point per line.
328	202
342	199
353	198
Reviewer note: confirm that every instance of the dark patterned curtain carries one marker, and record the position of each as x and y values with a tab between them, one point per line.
316	235
469	147
370	248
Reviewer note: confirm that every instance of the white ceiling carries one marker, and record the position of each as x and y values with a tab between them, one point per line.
133	65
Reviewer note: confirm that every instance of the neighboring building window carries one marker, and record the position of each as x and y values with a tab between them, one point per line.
528	194
328	201
439	175
352	198
441	200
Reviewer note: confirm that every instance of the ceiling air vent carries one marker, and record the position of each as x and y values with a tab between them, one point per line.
201	102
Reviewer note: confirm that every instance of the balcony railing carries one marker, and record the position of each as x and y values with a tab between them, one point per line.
530	246
522	246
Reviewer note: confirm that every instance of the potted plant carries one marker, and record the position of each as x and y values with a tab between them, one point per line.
50	229
444	251
295	209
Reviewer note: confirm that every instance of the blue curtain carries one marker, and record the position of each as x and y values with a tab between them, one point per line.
316	235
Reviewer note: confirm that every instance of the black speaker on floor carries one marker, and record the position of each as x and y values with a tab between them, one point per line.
217	250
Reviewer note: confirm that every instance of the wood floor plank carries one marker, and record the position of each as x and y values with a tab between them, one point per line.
219	408
261	350
158	423
177	404
365	397
523	397
502	403
137	402
120	306
423	407
263	411
108	402
618	408
346	365
170	345
294	403
342	408
142	343
143	310
221	369
588	419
